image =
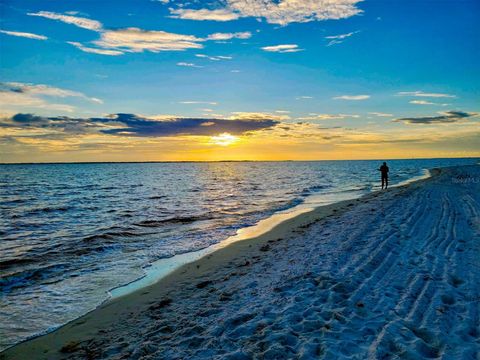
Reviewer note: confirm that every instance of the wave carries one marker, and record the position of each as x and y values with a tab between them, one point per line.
314	189
110	235
156	197
6	264
22	278
15	201
174	220
48	209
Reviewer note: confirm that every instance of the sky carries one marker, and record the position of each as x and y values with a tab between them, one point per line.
164	80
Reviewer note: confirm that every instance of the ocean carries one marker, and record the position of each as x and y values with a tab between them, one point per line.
70	233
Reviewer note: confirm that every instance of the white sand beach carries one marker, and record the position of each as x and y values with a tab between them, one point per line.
393	275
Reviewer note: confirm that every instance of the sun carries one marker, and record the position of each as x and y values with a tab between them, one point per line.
224	139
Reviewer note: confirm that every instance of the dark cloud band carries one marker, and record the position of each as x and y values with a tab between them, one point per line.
133	125
445	118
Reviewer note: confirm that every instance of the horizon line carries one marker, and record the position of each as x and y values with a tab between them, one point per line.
220	161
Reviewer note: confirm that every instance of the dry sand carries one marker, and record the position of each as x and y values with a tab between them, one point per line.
393	275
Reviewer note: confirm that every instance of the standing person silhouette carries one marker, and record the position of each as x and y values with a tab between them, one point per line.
384	170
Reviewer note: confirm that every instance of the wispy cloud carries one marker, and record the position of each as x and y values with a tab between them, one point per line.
204	14
424	102
81	22
119	41
95	50
444	118
228	36
24	34
285	48
380	114
187	64
195	102
352	97
338	39
43	90
424	94
12	101
328	117
214	58
259	116
275	12
15	95
304	97
138	40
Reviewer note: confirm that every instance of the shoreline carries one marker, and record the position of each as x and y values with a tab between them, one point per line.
199	258
161	268
88	327
198	266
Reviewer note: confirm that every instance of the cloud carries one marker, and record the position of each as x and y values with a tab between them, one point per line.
138	40
328	116
380	114
140	126
421	102
24	34
244	115
132	125
204	14
286	48
135	40
338	39
352	97
229	36
15	101
49	125
27	118
15	95
208	123
42	90
282	12
95	50
424	102
304	97
214	58
186	64
423	94
445	118
81	22
194	102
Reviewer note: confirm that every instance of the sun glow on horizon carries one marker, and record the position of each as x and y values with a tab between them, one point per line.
224	139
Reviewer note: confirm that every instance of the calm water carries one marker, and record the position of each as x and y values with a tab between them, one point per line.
71	232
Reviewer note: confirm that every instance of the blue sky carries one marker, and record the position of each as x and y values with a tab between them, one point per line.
355	64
